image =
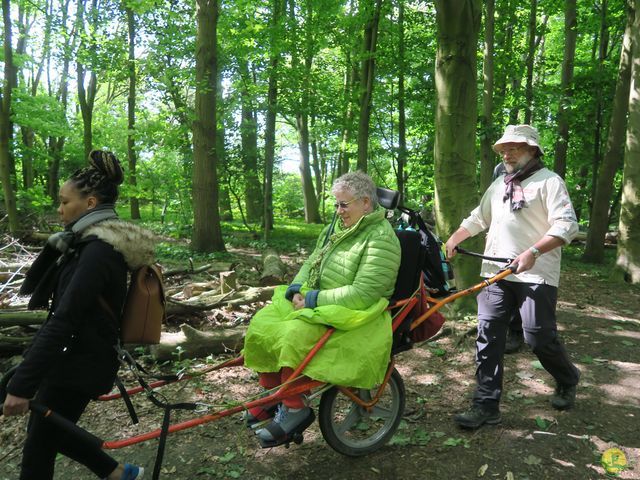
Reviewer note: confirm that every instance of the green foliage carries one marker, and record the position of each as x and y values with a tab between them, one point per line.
318	45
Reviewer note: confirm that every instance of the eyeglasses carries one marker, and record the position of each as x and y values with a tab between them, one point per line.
343	205
511	150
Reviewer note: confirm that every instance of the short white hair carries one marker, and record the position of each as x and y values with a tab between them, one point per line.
358	184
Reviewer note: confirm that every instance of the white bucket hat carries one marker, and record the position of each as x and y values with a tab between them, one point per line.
520	134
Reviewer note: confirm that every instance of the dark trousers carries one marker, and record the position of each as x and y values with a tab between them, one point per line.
44	440
537	307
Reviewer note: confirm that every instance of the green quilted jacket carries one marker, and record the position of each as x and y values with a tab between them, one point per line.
360	268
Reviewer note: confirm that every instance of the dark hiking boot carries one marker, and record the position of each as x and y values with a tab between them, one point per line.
477	416
514	341
564	397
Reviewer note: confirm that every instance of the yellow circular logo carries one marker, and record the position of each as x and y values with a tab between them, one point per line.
613	460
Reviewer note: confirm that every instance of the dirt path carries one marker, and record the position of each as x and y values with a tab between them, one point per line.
601	327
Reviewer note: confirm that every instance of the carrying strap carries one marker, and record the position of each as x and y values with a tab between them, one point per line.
127	401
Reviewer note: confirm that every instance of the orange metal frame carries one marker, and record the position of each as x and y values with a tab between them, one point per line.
297	383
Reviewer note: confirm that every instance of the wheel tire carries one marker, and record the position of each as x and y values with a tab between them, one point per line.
350	429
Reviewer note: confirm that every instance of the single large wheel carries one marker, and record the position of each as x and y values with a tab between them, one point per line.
354	431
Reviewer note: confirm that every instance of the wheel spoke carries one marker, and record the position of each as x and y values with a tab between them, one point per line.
350	420
381	412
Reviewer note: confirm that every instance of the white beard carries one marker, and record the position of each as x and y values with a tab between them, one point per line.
520	163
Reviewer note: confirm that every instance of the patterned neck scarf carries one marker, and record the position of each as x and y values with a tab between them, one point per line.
41	278
513	188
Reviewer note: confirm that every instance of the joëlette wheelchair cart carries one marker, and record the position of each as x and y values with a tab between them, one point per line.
353	421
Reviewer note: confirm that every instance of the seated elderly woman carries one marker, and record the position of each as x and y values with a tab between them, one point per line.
345	284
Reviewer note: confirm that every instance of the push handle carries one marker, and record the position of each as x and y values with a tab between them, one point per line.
79	434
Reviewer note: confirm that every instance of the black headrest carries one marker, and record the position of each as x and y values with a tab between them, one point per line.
388	198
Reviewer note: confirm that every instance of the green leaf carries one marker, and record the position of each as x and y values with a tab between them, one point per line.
541	423
628	343
227	457
586	359
400	440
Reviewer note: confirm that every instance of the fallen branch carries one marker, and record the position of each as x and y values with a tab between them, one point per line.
9	318
213	267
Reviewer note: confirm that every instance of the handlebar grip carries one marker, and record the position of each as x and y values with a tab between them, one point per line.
79	434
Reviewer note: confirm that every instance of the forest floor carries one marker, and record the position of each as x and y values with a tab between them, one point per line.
599	323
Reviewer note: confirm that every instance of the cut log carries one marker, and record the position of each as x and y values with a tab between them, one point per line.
192	343
228	281
274	270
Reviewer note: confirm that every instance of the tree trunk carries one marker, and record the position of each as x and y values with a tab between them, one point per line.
224	197
488	134
629	227
249	140
207	234
311	213
599	218
402	118
458	23
315	158
131	115
86	94
270	120
56	144
570	36
350	83
531	49
367	80
7	163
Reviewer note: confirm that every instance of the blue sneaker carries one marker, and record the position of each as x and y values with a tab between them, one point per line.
132	472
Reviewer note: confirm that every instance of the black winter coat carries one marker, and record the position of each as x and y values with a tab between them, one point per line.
74	348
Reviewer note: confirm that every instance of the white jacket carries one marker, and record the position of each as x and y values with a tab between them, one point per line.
548	211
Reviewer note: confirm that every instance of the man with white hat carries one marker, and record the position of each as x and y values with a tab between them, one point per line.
528	214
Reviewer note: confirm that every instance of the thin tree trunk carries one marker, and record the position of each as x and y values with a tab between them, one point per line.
402	116
350	83
131	115
86	95
311	213
367	81
224	197
249	140
270	121
207	234
599	218
458	23
570	37
7	163
315	160
56	144
487	156
603	48
531	50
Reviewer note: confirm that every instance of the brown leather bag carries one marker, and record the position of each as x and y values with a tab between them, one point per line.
144	309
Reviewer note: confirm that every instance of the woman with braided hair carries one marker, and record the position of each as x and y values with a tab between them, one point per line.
72	360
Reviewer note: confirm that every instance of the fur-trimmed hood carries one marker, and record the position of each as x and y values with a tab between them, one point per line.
135	243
